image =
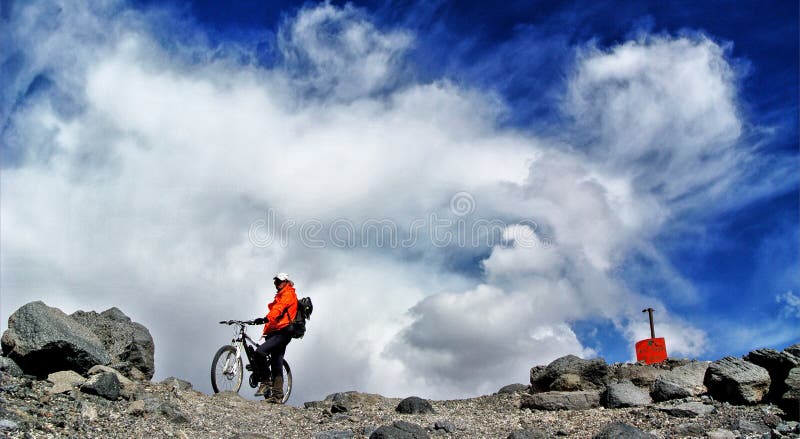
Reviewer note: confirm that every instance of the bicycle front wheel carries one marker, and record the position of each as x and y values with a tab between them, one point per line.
226	370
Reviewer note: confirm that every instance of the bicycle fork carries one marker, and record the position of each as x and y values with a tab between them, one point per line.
231	362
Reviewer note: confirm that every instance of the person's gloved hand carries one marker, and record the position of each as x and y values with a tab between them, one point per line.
259	321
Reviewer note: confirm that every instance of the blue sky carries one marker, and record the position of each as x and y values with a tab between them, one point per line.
654	143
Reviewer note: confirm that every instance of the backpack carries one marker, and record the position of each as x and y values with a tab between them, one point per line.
304	310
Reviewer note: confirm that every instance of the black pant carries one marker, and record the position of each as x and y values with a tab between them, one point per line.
275	346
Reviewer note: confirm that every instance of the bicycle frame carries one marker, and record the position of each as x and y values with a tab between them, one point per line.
241	343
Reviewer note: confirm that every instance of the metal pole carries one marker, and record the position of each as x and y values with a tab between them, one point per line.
649	311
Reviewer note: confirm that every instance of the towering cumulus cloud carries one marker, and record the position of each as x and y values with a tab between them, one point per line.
153	171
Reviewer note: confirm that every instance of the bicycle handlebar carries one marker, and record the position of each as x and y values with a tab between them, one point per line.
236	322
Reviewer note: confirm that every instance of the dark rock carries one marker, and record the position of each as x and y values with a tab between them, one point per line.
414	405
529	433
513	388
625	394
570	373
737	381
748	427
790	401
129	343
562	400
104	384
681	382
340	407
447	426
788	427
778	365
399	430
335	434
10	367
618	430
173	413
688	410
42	340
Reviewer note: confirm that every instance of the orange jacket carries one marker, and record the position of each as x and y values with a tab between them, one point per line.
282	310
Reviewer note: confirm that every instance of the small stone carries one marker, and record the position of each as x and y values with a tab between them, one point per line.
173	383
414	405
335	434
8	425
688	410
89	412
749	427
103	384
447	426
400	430
720	433
173	413
618	430
626	394
529	433
136	408
10	367
64	381
339	407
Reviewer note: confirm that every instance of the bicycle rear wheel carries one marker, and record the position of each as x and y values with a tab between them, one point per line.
287	381
226	370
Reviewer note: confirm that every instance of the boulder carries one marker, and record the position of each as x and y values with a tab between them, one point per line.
625	394
399	430
64	381
513	388
103	384
42	340
129	343
688	409
10	367
581	400
446	426
681	382
618	430
778	365
737	381
790	400
641	375
528	433
570	373
414	405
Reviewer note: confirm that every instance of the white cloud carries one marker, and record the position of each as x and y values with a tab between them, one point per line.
791	304
142	195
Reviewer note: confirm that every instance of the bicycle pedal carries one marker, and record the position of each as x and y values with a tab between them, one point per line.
249	367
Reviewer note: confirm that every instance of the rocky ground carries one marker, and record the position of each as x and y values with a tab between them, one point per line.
30	409
87	375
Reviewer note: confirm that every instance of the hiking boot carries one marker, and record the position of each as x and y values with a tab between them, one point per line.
276	396
263	387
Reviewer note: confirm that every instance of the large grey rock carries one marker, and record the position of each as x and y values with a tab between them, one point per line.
790	400
570	373
399	430
414	405
689	409
10	367
793	349
103	384
641	375
64	381
41	340
737	381
626	394
581	400
778	365
129	343
681	382
618	430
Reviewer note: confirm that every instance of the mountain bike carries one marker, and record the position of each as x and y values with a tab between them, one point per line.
226	368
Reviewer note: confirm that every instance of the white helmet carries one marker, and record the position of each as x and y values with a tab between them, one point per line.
282	276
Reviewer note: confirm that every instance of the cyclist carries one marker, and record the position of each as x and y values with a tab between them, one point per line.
277	334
